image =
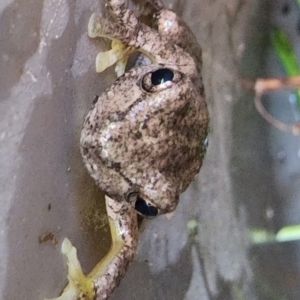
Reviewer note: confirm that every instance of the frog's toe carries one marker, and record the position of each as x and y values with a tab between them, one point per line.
105	59
95	26
80	286
118	54
100	26
120	67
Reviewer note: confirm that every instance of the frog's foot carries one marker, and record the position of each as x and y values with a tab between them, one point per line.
119	53
126	28
80	286
106	275
123	30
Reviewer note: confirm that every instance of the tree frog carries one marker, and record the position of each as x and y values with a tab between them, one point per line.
144	139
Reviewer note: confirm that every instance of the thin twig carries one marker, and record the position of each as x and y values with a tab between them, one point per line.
263	85
293	128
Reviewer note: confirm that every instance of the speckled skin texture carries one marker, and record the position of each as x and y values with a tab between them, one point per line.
112	268
140	138
148	142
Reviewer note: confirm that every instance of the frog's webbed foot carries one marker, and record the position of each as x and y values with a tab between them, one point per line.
80	286
103	279
118	54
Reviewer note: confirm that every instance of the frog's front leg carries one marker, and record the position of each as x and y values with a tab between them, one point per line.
103	279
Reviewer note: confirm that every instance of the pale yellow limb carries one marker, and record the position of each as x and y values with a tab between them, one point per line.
103	279
79	284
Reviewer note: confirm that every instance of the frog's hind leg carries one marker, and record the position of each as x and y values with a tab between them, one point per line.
128	29
170	25
103	279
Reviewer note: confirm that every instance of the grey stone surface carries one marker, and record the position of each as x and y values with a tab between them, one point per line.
47	83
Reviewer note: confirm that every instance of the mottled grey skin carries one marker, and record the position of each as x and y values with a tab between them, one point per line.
148	142
139	138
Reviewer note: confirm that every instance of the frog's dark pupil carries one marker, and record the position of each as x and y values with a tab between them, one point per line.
162	75
145	208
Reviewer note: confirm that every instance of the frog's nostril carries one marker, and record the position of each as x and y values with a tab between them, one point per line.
162	75
145	208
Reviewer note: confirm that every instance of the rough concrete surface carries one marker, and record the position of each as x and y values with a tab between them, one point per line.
47	84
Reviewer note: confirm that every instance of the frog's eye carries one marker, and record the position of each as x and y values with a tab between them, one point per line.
162	75
145	208
160	80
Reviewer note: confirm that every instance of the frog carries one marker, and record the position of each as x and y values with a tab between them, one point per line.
144	139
